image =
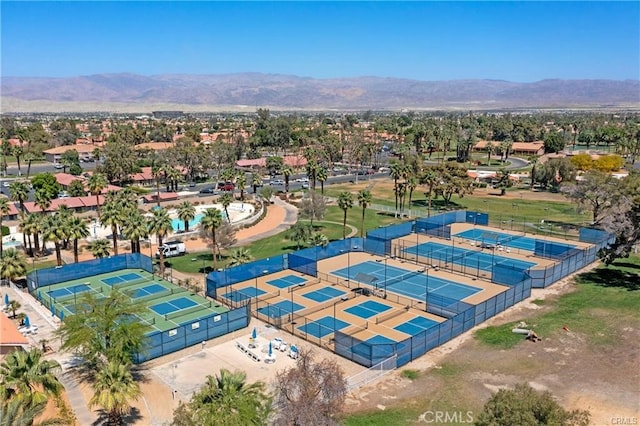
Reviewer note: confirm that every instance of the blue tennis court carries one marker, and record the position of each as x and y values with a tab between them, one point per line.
368	309
69	291
414	284
471	258
323	326
288	281
324	294
119	279
280	309
172	305
416	326
243	294
504	239
148	290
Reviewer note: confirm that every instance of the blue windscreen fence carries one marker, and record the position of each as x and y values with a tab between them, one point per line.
160	343
236	274
379	240
477	218
553	250
440	225
89	268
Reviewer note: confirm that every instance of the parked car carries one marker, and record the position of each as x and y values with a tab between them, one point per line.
58	166
228	187
208	190
277	182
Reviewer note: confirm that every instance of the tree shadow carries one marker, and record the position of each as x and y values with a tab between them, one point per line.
133	417
612	278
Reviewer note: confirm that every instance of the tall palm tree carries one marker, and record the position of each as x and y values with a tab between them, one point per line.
4	209
63	215
99	248
77	228
27	375
412	183
241	183
134	228
16	411
287	171
112	216
29	158
396	172
42	199
97	182
322	177
19	191
114	389
157	172
318	239
430	178
160	224
226	199
364	199
186	212
256	181
13	264
210	222
240	256
345	202
52	230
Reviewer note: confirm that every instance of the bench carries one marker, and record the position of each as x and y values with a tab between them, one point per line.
246	351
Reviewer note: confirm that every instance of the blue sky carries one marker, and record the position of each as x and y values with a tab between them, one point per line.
516	41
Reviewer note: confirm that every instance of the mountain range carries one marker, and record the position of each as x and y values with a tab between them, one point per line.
120	92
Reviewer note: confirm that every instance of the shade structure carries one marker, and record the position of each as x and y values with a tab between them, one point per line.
6	299
254	334
27	323
270	350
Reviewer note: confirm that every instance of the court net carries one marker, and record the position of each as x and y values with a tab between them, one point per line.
187	311
133	283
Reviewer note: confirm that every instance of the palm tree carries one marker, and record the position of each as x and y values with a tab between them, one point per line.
19	191
364	199
114	389
97	182
76	229
52	230
322	177
256	181
240	256
345	202
160	224
241	182
157	172
226	199
287	171
27	375
210	222
412	183
134	228
4	209
18	152
42	199
99	248
29	158
14	305
112	215
318	239
397	170
186	212
430	178
228	396
29	226
16	411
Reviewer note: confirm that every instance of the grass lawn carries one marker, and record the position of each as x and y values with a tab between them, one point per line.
280	243
604	298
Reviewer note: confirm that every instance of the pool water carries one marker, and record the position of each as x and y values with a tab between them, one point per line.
178	224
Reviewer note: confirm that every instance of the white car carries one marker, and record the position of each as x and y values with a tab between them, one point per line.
58	166
6	183
277	182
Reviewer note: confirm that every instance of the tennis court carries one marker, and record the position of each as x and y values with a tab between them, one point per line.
500	238
323	326
280	309
414	284
416	326
324	294
460	256
368	309
243	294
148	290
121	279
74	290
288	281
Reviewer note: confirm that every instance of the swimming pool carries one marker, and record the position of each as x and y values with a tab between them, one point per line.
178	224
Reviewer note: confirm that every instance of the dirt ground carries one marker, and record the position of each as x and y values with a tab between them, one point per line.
604	382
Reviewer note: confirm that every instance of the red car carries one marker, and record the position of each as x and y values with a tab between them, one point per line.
228	187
